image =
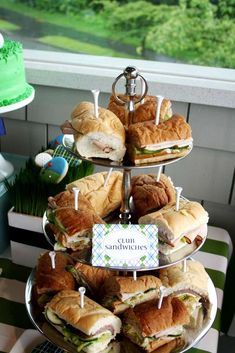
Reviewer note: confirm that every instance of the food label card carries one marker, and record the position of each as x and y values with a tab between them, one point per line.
129	246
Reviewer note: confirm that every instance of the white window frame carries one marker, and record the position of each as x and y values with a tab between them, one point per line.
178	82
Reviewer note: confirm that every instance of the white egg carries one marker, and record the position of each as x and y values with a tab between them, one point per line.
1	40
42	158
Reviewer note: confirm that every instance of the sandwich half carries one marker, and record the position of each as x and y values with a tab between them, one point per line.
180	232
105	195
102	137
91	277
148	142
72	228
191	287
49	280
150	327
150	195
90	328
143	111
121	293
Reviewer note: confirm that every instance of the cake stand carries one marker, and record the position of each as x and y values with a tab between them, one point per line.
36	316
6	168
40	323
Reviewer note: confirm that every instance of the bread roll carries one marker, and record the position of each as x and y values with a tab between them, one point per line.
102	137
147	133
122	284
93	327
195	278
72	227
155	327
65	199
190	286
105	197
94	276
149	143
150	195
143	112
122	292
66	304
50	280
172	224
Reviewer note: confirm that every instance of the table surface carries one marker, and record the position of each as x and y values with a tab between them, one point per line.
14	320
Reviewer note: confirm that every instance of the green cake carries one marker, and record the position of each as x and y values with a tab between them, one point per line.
13	85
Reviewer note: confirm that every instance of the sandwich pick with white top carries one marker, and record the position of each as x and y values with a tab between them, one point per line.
96	93
178	191
52	255
76	192
82	291
159	103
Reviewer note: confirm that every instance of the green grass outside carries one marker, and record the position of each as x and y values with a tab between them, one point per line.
89	22
80	47
8	26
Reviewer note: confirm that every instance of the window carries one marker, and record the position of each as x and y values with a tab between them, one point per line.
200	32
87	49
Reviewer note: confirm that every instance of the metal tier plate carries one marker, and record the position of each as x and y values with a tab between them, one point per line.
68	143
85	256
38	319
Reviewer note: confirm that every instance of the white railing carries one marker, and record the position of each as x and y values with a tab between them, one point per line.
179	82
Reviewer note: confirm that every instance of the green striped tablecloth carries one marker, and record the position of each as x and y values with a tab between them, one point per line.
14	319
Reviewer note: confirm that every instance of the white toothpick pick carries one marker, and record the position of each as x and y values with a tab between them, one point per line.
161	289
134	275
52	255
96	93
159	103
107	177
76	192
185	265
159	173
82	291
178	190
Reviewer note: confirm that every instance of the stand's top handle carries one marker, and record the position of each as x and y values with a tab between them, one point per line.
131	74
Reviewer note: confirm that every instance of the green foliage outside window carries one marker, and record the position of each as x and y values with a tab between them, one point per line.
199	32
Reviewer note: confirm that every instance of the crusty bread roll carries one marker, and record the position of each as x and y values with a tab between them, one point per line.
172	224
151	323
122	284
105	197
143	112
122	292
65	199
180	231
153	320
52	280
66	304
195	278
148	133
150	195
94	276
102	137
191	286
72	227
148	142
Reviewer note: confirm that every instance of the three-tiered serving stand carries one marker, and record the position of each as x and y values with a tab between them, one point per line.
131	75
